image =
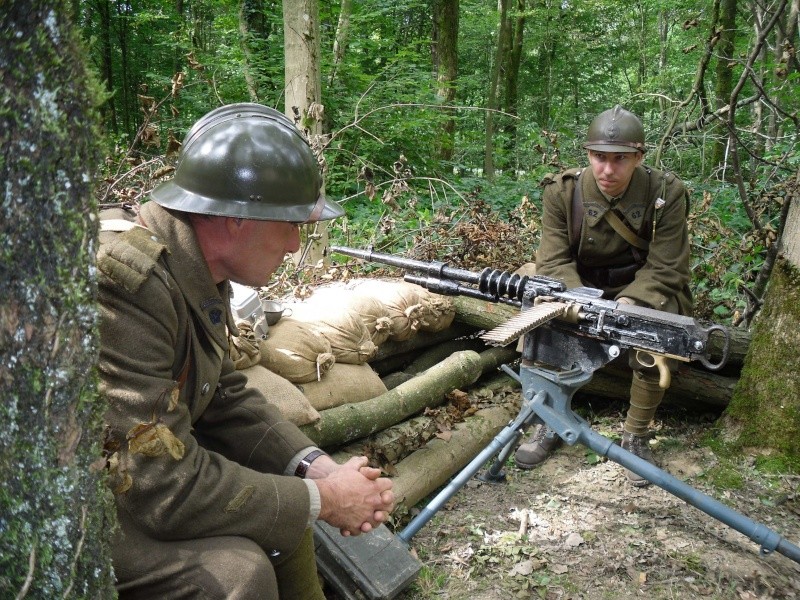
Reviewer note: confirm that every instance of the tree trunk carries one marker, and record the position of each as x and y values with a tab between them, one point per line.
445	60
511	76
56	511
340	41
494	86
724	70
765	409
251	31
304	103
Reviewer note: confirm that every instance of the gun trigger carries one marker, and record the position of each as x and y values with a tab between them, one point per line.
525	321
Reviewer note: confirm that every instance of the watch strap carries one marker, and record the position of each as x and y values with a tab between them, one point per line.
302	467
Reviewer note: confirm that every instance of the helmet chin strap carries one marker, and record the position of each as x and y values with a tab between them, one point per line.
316	212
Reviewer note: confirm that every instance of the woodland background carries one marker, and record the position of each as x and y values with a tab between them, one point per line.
425	107
435	122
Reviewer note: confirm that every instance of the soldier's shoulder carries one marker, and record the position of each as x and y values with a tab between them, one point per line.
560	178
658	175
128	252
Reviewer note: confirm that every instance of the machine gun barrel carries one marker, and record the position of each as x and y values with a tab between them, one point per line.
433	268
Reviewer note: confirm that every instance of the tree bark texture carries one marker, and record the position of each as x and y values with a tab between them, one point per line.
304	102
445	62
765	409
56	511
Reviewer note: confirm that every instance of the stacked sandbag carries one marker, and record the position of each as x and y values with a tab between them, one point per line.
296	351
438	314
244	348
403	302
342	384
410	307
344	329
283	394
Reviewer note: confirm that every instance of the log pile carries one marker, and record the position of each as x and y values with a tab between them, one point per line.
397	373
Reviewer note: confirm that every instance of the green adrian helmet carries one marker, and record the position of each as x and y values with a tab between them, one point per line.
615	130
249	161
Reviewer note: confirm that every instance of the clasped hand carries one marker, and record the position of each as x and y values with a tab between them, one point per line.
355	498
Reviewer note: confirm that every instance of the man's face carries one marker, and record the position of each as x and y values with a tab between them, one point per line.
613	170
260	248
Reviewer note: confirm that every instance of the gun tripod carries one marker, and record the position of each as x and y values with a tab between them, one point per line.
547	397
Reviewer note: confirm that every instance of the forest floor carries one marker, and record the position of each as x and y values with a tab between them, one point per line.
575	529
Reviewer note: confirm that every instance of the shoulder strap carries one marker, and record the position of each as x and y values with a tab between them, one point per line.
577	216
625	231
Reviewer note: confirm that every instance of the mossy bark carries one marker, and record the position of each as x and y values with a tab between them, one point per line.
55	513
765	409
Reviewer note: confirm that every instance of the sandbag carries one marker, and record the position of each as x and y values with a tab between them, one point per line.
347	334
403	303
342	384
438	314
245	351
344	298
283	394
296	351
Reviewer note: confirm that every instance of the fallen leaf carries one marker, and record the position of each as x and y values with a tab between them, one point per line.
173	398
524	567
154	440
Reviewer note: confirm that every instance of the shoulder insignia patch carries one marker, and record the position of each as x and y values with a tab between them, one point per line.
129	257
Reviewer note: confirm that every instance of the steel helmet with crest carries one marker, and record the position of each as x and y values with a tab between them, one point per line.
615	130
248	161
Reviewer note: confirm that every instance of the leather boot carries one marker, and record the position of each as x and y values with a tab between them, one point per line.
543	442
639	446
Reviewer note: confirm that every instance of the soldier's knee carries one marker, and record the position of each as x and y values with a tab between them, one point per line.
246	575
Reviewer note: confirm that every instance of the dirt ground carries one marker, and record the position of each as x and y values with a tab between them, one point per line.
575	529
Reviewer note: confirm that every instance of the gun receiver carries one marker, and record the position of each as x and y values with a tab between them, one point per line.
652	332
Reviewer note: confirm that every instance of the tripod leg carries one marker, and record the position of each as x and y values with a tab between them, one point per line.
502	441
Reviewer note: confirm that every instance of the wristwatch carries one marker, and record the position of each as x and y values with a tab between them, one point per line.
302	468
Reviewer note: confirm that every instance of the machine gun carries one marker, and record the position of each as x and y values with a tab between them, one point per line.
568	335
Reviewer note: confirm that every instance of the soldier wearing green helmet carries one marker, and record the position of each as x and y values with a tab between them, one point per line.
619	226
215	491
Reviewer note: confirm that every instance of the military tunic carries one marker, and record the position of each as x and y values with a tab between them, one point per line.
654	205
194	453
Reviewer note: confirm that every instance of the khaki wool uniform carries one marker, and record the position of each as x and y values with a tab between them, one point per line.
662	282
655	207
197	460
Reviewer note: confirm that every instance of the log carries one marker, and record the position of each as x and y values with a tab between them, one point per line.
349	422
430	467
482	314
696	389
692	388
430	357
390	446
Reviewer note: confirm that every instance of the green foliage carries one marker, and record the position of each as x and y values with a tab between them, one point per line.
382	108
